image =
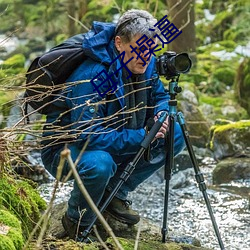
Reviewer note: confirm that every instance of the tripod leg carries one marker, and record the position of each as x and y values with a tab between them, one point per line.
129	169
168	173
199	177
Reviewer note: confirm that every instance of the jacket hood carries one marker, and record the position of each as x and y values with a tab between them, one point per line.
98	43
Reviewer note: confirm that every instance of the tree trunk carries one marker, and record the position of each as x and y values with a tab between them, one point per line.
83	7
182	15
72	12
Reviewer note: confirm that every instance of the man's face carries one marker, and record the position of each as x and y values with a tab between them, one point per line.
135	65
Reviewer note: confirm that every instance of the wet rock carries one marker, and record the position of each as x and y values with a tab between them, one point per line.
181	179
231	169
31	167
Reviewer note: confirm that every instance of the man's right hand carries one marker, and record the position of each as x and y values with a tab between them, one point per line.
164	128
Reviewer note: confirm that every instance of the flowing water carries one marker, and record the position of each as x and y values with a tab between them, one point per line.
187	212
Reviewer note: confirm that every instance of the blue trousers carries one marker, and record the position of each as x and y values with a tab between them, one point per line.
100	170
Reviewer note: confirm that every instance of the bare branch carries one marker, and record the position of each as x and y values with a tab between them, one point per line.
66	154
186	4
79	22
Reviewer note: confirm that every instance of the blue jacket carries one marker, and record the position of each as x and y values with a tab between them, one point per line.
105	132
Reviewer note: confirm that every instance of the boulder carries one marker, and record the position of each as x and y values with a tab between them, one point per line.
232	139
231	169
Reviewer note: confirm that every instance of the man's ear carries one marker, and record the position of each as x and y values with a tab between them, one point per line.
118	43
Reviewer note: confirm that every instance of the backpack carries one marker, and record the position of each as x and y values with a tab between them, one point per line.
48	73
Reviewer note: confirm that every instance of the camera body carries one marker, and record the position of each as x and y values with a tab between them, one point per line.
172	65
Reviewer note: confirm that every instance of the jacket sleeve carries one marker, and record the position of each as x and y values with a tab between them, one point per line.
88	121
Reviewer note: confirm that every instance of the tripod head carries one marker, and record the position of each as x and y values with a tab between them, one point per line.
174	89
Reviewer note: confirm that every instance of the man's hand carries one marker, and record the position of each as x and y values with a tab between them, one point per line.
164	128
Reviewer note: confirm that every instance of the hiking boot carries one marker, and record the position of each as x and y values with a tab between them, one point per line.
121	211
75	231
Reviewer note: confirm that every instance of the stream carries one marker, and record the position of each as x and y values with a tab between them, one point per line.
187	212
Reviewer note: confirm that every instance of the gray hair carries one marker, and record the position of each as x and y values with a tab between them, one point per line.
135	22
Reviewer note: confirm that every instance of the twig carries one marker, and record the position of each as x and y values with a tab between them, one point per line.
137	236
77	21
45	217
174	6
186	4
66	154
99	238
187	22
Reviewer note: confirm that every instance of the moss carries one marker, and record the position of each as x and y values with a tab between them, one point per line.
13	239
22	200
224	75
228	45
13	71
236	125
10	220
16	237
128	244
212	100
6	243
17	61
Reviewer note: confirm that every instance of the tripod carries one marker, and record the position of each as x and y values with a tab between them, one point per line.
173	90
169	163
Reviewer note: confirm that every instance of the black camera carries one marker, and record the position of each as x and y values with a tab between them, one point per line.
172	65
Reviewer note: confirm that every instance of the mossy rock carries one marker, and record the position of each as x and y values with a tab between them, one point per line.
10	231
231	139
22	200
231	169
